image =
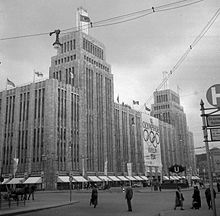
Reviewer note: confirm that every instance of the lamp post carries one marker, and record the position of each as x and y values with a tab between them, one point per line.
43	170
70	169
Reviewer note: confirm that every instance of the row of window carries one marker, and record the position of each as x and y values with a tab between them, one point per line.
68	46
163	117
162	98
97	64
165	106
92	48
65	59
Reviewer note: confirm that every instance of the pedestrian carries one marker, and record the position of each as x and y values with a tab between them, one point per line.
128	197
160	186
208	196
196	203
94	196
32	191
218	186
179	199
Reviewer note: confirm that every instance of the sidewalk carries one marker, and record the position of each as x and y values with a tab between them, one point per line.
189	212
43	200
203	211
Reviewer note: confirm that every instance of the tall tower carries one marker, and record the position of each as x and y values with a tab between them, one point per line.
81	63
167	108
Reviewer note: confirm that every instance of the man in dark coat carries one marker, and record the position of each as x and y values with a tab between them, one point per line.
179	199
128	197
208	196
196	204
94	196
218	186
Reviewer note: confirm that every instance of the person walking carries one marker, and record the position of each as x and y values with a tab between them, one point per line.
196	203
94	196
32	190
128	197
179	199
208	196
218	186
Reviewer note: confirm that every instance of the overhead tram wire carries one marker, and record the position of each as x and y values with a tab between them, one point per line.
146	12
183	57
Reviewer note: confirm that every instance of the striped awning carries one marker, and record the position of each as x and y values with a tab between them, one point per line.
79	179
64	179
138	178
105	178
122	178
16	181
165	178
94	179
33	180
5	180
195	178
131	178
144	177
114	178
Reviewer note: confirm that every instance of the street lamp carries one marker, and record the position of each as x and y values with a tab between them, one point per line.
57	43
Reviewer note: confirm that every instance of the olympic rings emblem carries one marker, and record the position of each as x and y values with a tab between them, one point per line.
152	136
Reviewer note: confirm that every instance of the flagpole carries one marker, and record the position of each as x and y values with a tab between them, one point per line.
6	85
34	77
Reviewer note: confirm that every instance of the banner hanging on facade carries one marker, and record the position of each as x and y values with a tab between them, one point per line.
151	136
106	168
129	168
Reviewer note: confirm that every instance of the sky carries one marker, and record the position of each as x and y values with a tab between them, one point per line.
139	51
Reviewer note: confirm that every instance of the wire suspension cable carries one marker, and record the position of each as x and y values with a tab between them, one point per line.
184	56
146	12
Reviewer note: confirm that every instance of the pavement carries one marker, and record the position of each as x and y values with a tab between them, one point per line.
43	200
53	199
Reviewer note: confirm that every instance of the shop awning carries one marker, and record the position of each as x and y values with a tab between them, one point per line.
64	179
195	178
33	180
172	178
138	178
79	179
114	178
122	178
94	179
105	178
16	181
144	177
165	178
5	180
131	178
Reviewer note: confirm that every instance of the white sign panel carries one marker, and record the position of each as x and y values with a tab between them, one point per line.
213	120
151	136
215	134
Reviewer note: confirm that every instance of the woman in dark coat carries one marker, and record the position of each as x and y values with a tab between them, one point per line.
94	196
196	204
179	199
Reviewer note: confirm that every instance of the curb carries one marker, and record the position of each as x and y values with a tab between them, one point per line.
34	209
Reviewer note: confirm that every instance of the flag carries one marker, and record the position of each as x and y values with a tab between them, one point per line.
135	102
9	82
118	99
106	168
15	165
129	168
146	108
39	74
71	75
84	18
